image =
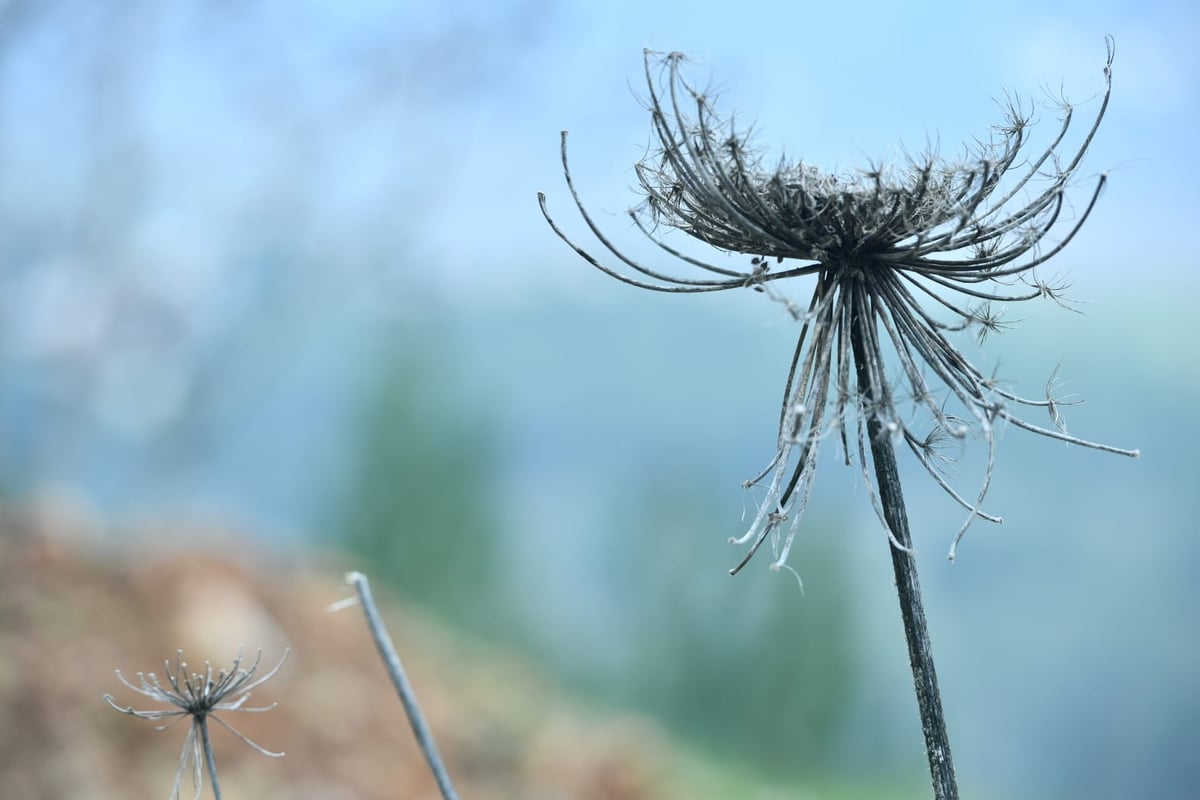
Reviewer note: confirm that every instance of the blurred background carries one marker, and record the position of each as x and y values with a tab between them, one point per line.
278	268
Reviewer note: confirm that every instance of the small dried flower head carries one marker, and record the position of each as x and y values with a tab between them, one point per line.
199	696
902	257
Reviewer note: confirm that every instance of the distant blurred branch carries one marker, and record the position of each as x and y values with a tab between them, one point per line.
408	696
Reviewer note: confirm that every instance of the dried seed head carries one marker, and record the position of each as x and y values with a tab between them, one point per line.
902	258
199	696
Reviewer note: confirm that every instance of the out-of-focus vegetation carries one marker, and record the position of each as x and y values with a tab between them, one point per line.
261	266
419	497
756	670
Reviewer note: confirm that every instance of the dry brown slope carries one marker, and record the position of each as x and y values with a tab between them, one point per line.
70	615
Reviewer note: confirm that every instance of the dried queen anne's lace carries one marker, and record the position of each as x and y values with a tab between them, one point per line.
902	258
199	696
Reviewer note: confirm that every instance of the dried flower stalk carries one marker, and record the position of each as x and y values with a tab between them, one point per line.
903	258
199	696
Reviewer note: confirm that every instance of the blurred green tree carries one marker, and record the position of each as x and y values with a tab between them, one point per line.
753	666
417	500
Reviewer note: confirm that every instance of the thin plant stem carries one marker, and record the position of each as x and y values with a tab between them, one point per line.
908	588
408	697
211	760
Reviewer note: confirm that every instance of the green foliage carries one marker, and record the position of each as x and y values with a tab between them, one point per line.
752	666
417	502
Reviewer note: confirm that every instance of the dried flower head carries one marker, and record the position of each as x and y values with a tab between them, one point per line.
199	696
902	258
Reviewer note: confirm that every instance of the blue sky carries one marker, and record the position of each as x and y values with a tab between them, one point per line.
339	165
838	85
451	111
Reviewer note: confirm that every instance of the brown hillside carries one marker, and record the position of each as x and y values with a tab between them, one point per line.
70	614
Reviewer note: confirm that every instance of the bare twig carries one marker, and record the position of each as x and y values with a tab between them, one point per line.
408	697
